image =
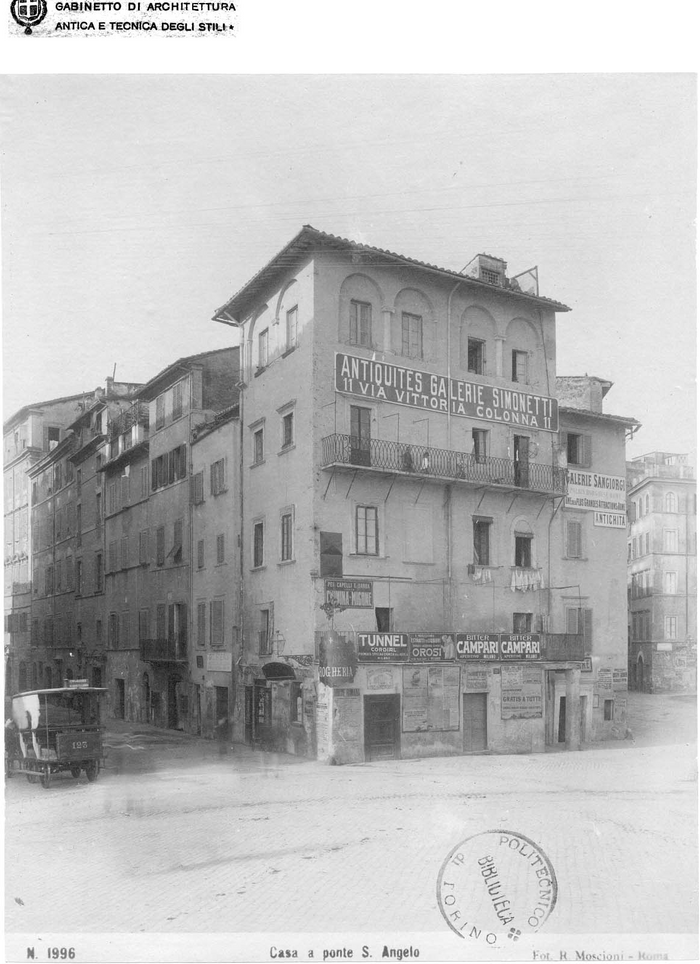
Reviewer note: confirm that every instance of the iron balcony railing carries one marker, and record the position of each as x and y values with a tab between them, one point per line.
563	646
426	462
164	650
136	415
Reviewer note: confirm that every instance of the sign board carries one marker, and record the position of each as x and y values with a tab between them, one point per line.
382	647
350	593
521	692
596	493
587	665
426	647
219	662
379	679
337	661
481	646
475	680
611	520
380	381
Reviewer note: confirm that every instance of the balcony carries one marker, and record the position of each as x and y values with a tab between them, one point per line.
420	461
136	415
563	646
164	650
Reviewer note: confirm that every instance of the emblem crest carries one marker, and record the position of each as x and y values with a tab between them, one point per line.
28	13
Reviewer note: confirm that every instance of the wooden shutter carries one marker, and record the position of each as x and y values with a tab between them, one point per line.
586	450
331	554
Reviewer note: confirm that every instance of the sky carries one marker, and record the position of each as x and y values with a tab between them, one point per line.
134	205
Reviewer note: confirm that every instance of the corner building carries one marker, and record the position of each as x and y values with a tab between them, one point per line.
402	489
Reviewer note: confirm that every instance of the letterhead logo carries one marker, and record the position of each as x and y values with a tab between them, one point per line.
28	13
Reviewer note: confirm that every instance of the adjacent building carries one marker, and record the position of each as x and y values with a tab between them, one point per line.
662	573
411	580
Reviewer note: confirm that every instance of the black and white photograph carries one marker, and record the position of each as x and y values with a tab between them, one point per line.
350	515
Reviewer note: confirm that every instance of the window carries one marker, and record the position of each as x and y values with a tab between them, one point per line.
647	543
331	546
48	580
519	366
220	549
98	632
670	540
671	583
578	449
670	502
286	537
360	323
522	622
99	572
608	710
177	542
411	335
112	557
144	624
523	551
263	347
160	546
143	547
125	553
292	319
59	575
113	631
366	530
201	623
177	627
160	411
287	430
383	616
476	356
144	481
161	621
296	703
480	444
126	490
258	544
197	488
169	467
98	508
177	400
218	477
79	525
574	540
579	622
124	630
258	447
200	554
670	627
482	538
78	577
217	623
265	635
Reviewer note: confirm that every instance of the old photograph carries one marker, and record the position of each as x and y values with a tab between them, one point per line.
349	468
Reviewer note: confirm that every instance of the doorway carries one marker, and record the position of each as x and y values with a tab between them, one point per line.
222	711
640	674
584	714
521	458
120	699
474	709
382	740
173	719
561	728
248	717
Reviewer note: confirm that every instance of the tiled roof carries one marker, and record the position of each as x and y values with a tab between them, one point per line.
230	312
184	362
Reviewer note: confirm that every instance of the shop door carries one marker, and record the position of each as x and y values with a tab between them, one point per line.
474	714
172	703
248	736
382	740
360	435
561	730
222	720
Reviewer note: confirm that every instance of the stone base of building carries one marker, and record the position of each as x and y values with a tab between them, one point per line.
666	667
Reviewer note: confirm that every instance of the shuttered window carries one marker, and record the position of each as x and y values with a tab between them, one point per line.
217	622
574	540
331	554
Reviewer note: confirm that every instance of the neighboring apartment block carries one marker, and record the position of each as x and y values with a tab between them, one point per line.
415	581
662	573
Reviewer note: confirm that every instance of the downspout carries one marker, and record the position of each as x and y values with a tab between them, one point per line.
241	539
448	488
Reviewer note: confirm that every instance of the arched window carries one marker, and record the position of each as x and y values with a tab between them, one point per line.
670	502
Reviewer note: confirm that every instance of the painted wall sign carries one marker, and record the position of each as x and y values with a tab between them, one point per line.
610	520
382	647
603	493
379	679
418	389
219	662
500	646
350	593
337	659
521	692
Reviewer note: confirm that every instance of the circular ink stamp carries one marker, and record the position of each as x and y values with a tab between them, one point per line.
496	887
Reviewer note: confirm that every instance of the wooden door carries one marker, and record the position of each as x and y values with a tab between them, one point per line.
360	435
474	716
382	716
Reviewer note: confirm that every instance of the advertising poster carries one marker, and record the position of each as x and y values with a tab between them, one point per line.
382	647
415	699
521	692
425	647
443	697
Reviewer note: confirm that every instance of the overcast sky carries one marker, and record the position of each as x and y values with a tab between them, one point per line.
135	205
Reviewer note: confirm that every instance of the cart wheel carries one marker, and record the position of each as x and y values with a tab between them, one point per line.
75	772
91	771
46	778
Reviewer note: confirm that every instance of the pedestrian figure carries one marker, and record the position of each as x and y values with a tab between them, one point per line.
222	735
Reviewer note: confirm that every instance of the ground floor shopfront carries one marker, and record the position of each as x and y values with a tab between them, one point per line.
378	696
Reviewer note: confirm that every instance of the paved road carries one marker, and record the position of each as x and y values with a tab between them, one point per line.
175	838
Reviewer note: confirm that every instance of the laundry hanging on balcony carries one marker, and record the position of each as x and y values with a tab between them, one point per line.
524	579
481	576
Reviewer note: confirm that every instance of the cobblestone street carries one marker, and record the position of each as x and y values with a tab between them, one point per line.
176	838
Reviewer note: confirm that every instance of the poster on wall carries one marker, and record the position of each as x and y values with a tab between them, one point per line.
379	679
606	495
347	716
475	680
426	647
605	678
415	699
521	692
443	697
619	679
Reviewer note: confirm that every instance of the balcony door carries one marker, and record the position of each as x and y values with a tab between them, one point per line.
360	435
521	459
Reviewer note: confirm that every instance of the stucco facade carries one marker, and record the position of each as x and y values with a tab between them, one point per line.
405	419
